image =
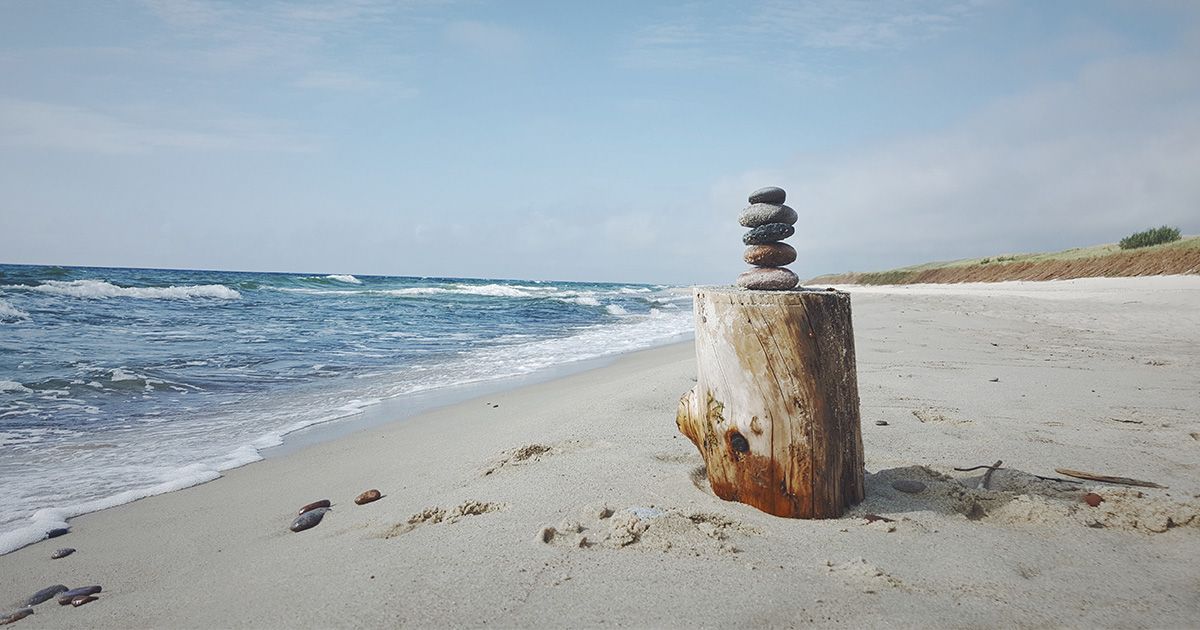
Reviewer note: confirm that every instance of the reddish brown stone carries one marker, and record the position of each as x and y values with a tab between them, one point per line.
1093	499
770	255
323	503
367	497
83	599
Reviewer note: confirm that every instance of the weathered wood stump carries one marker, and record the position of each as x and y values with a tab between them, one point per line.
775	407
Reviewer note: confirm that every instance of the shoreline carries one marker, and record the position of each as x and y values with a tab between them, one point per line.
369	414
460	536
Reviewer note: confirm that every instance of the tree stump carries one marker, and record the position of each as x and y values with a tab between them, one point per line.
775	408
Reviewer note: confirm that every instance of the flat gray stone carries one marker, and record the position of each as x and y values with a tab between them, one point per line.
768	279
769	233
770	194
764	213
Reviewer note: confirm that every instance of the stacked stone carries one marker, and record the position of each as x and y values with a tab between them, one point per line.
770	222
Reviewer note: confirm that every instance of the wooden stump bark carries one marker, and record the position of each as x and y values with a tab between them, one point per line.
775	408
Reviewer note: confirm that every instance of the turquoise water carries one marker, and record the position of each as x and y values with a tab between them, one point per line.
122	383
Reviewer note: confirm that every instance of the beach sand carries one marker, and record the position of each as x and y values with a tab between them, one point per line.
1098	375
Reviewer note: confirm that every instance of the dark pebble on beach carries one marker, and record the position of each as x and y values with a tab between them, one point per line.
910	486
367	497
881	423
1093	499
768	279
770	255
55	533
62	553
323	503
15	616
770	194
308	519
66	596
764	213
768	233
45	594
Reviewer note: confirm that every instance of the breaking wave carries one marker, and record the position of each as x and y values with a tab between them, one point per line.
99	289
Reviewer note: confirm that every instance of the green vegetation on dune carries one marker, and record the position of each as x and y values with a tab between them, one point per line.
1179	257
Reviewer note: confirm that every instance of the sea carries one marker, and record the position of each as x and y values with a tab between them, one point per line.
117	384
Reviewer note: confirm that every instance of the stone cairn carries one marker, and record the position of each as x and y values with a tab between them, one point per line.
770	222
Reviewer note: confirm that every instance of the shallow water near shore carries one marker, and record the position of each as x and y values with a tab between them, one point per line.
121	383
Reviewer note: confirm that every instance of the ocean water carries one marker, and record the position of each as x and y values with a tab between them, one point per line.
117	384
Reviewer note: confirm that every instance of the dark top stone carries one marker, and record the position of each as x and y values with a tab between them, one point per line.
764	213
62	553
770	194
768	233
58	531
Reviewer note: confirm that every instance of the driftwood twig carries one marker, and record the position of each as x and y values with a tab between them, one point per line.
1107	478
987	477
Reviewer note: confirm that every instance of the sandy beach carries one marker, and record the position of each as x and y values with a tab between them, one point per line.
1098	375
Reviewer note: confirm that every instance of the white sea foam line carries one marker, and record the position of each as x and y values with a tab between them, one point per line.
99	289
347	278
8	312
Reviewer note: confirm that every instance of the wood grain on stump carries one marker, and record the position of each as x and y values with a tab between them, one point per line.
775	409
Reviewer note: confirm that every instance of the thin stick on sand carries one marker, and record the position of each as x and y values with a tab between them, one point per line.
1107	478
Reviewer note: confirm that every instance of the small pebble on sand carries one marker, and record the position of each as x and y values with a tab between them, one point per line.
367	497
911	486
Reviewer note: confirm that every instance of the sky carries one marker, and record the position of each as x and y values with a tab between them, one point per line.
596	141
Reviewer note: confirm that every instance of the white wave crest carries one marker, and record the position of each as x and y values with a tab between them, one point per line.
99	289
12	386
347	278
10	313
487	290
616	309
585	300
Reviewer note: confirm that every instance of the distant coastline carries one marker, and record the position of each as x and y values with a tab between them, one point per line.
1099	261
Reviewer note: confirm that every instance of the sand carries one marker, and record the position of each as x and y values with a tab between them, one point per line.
575	503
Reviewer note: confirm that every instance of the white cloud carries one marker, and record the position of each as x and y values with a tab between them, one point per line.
1084	161
784	32
35	124
486	39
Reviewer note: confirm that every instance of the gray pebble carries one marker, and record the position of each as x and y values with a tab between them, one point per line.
768	279
770	194
15	616
58	531
62	553
911	486
65	597
769	233
308	519
45	594
764	213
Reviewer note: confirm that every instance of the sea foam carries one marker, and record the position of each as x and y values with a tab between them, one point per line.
10	313
99	289
347	278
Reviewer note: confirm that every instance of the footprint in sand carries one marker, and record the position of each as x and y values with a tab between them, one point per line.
859	572
535	452
649	528
933	415
1016	499
435	515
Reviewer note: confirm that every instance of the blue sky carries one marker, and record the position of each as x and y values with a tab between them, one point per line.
587	141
